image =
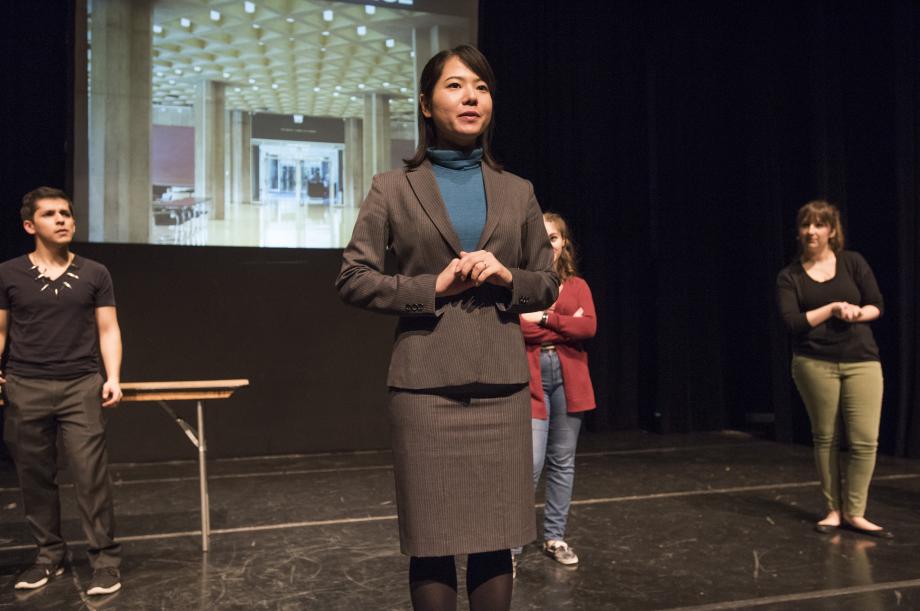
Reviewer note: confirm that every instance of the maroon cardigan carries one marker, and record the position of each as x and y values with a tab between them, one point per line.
566	332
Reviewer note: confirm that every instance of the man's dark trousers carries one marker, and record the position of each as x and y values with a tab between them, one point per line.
35	410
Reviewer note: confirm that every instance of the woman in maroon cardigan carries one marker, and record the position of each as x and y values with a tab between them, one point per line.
560	385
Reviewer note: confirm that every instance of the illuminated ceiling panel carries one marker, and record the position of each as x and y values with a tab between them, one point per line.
284	57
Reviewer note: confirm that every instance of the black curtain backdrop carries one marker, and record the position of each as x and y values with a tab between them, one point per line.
36	102
679	139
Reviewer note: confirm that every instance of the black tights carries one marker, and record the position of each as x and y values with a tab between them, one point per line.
433	582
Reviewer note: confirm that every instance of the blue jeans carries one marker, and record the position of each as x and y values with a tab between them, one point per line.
554	442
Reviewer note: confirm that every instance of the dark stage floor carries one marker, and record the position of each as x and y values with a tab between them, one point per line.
707	521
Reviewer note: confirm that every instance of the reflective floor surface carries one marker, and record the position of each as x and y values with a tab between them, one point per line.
277	223
703	522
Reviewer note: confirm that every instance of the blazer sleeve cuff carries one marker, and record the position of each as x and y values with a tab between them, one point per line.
416	297
530	291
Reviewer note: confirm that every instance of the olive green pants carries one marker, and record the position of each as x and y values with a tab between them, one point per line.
844	396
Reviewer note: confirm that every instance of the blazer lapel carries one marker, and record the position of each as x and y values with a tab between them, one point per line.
495	195
425	187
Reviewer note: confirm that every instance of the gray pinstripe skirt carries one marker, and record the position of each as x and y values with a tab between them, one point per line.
462	460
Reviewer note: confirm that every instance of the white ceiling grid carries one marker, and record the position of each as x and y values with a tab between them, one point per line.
284	57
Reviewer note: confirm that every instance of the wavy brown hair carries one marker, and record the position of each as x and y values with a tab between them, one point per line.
565	266
427	131
820	211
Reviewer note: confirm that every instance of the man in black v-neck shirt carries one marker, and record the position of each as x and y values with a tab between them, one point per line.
58	318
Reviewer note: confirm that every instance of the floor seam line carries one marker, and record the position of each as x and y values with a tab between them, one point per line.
367	519
678	494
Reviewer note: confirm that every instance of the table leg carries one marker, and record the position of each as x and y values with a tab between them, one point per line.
203	481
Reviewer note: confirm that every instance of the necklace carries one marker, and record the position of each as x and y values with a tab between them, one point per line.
43	277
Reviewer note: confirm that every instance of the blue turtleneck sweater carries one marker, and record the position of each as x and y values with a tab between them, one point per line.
459	179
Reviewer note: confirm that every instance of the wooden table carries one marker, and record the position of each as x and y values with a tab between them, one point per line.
189	390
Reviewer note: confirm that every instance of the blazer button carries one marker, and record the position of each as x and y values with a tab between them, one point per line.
408	308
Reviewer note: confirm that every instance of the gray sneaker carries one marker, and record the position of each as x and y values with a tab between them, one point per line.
106	580
560	552
37	575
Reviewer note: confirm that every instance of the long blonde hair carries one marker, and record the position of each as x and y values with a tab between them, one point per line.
565	266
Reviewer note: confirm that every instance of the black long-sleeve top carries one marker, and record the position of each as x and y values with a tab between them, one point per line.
834	339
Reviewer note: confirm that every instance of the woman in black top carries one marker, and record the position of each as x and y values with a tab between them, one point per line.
827	297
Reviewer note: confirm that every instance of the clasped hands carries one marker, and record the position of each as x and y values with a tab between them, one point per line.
471	269
846	311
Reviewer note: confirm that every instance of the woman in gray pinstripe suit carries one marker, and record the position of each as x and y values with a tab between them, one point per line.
470	254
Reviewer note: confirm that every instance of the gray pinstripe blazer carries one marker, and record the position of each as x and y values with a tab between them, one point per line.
470	338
